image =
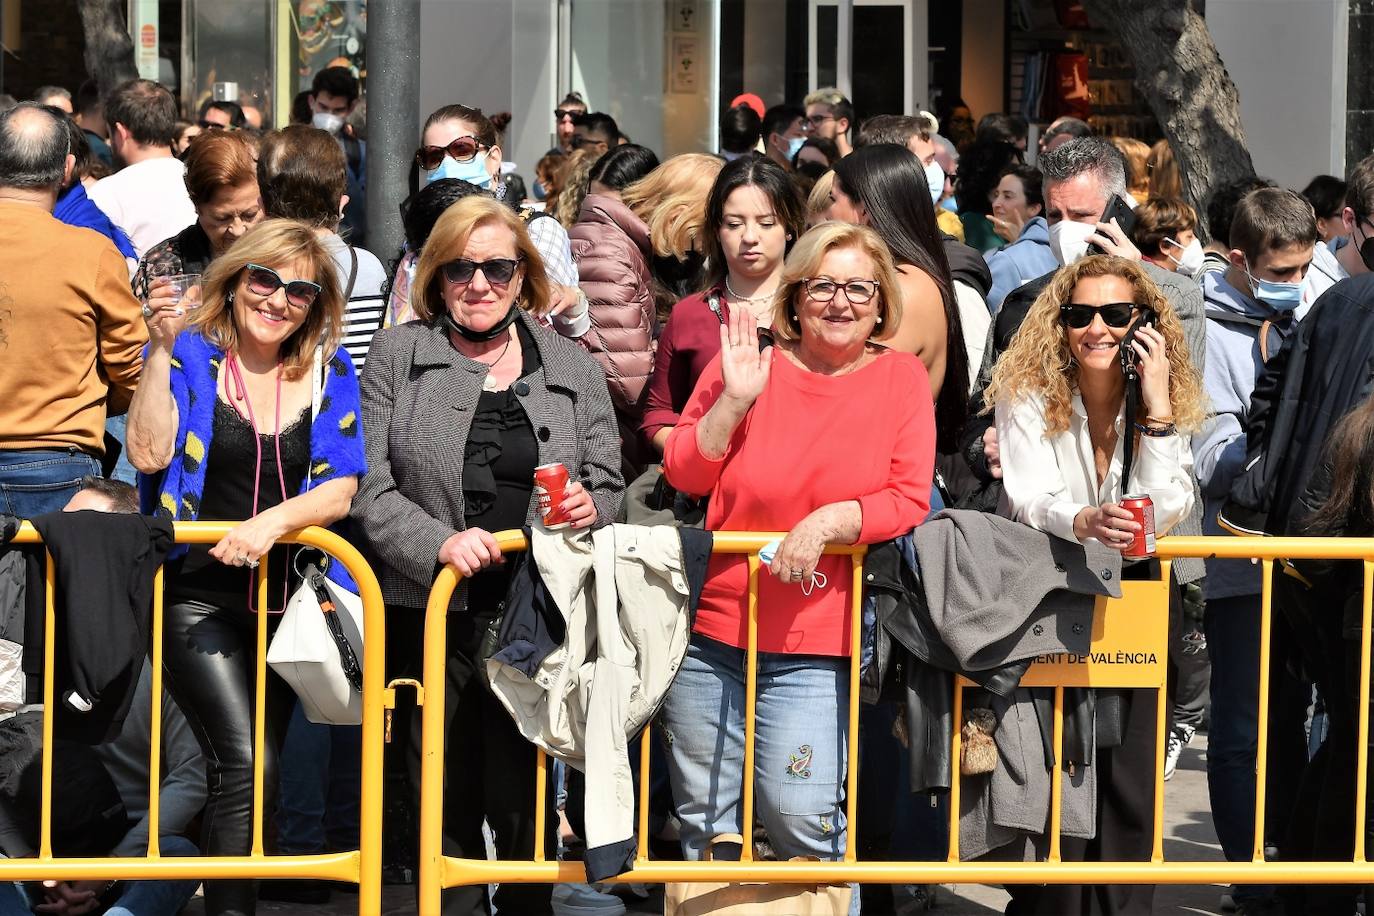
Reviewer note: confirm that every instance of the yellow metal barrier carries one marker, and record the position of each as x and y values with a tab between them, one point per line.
362	866
1129	649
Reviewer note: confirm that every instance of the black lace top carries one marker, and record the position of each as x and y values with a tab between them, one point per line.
498	473
229	496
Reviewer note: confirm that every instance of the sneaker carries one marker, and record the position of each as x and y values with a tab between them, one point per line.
585	900
1228	901
1178	740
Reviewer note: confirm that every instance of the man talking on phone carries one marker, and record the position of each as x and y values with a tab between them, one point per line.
1085	194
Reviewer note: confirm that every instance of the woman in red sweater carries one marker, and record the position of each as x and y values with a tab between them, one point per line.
829	436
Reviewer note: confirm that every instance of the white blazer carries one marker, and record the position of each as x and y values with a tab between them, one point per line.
1048	480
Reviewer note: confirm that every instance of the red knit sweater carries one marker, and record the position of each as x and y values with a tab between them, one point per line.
809	440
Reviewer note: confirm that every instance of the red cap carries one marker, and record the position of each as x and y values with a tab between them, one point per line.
753	101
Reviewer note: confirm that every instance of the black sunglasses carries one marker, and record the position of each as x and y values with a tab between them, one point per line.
214	125
265	281
498	271
560	113
462	149
1114	314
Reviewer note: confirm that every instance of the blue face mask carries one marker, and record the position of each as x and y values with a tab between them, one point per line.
1282	297
474	171
794	146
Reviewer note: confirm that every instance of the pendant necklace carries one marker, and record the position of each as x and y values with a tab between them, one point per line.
489	383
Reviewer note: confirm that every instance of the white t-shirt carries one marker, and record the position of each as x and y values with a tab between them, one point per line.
148	200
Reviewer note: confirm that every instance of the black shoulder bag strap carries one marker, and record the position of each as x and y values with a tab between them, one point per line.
352	274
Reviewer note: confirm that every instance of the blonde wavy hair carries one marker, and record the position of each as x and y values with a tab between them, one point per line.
1038	362
804	261
672	202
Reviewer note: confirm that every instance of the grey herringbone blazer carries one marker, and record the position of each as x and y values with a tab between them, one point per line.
418	397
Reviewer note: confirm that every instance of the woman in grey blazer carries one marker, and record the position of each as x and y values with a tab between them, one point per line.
459	408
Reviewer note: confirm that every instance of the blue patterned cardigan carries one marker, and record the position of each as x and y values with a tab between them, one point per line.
336	439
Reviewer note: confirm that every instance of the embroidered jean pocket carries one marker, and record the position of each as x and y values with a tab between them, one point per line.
807	796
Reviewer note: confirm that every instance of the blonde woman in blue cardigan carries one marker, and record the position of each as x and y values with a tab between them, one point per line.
227	424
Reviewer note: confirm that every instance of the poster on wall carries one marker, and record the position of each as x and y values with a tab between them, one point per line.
684	15
685	65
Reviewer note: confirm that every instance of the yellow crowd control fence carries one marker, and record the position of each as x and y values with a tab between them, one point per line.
1128	649
362	866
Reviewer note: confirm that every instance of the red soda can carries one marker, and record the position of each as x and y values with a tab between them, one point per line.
549	483
1142	509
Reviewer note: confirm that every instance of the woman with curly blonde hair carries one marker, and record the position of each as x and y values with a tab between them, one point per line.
1059	396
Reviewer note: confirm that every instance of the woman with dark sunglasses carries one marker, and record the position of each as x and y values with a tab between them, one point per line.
459	409
225	426
1059	395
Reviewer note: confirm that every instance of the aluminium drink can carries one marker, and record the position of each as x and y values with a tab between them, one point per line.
549	483
1142	509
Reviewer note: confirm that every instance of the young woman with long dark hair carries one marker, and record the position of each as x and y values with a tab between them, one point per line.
884	186
753	214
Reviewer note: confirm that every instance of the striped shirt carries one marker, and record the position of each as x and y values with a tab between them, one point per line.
366	303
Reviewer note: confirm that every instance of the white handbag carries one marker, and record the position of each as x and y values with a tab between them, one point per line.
318	646
308	655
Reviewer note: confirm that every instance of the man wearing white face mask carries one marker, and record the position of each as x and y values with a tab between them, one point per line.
334	93
916	133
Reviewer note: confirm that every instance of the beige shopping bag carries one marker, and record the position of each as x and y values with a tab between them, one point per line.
754	899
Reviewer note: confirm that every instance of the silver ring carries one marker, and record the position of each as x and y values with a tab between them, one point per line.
147	312
251	564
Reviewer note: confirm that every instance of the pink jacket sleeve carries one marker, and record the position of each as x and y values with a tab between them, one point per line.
686	468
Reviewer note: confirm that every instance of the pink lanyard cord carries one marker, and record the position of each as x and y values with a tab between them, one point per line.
238	393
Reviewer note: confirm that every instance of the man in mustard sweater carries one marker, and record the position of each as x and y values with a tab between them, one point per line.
71	332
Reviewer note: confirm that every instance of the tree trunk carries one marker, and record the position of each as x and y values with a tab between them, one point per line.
109	49
1181	76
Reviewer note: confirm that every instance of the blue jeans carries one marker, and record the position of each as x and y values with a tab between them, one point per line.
320	787
123	470
800	748
137	898
1233	635
37	481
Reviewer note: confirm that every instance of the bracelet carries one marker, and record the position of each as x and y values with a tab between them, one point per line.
1161	420
1156	432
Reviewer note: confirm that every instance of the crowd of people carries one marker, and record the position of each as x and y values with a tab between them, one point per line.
917	336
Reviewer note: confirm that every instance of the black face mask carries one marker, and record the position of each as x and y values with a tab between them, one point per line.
1366	249
494	332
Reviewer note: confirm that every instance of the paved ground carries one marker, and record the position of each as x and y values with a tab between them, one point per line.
1188	835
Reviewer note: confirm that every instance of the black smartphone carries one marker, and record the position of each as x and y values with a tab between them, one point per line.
1129	357
1119	210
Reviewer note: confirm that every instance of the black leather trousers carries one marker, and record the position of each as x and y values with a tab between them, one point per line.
210	660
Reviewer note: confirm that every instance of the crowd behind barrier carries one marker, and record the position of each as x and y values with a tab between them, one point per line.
1003	421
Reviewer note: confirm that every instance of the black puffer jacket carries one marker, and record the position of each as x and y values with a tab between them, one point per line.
1325	370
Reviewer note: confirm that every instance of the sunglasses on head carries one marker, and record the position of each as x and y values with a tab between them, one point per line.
265	281
1114	314
498	271
462	149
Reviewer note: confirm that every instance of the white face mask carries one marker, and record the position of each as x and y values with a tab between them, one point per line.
1069	240
1189	262
935	180
325	120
